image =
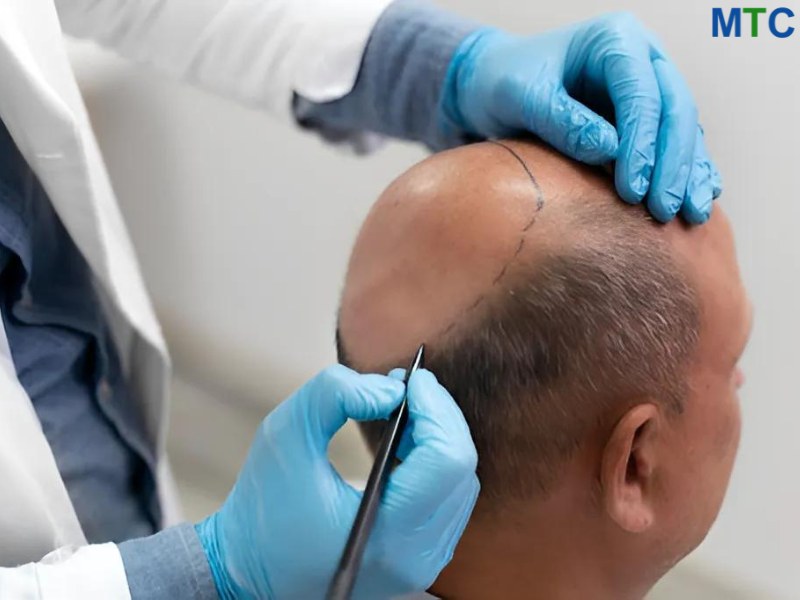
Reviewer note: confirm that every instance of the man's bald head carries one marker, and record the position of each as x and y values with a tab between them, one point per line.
547	306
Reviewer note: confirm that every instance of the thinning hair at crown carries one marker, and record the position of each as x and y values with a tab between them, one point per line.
572	337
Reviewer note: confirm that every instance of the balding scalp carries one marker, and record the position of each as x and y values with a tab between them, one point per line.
570	336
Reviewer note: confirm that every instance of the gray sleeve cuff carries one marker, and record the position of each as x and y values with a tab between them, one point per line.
170	565
399	86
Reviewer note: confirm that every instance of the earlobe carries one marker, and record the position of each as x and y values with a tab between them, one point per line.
628	466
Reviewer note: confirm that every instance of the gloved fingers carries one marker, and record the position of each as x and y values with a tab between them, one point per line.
573	129
406	445
634	92
676	143
325	403
716	177
398	374
435	416
407	441
455	513
716	181
447	525
442	457
426	549
704	185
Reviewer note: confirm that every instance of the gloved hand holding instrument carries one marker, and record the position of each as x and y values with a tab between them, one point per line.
285	523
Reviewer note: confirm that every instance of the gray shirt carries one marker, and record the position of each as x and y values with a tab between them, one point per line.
64	359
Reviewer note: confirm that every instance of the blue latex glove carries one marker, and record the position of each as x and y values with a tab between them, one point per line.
560	85
281	531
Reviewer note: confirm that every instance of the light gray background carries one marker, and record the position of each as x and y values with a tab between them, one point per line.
243	227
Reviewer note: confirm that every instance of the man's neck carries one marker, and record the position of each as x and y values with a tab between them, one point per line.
549	558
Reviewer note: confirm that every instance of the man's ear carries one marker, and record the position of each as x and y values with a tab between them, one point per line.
628	465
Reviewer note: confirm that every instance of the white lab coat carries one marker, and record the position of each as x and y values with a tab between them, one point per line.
258	51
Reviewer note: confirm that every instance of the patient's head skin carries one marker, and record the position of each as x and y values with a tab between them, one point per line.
594	354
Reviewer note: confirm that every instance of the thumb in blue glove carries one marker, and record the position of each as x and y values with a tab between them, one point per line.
567	86
281	531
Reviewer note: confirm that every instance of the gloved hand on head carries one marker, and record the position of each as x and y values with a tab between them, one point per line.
567	87
284	525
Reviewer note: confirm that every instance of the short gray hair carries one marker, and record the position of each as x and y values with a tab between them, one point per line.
563	345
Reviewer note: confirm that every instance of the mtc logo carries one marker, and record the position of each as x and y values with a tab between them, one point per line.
778	21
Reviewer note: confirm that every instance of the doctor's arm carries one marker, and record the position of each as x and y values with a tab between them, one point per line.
599	91
284	525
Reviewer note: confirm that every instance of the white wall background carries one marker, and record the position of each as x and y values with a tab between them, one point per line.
243	227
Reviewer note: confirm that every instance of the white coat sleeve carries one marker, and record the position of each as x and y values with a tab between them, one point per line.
68	574
257	51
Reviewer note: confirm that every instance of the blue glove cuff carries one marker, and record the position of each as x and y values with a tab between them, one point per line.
461	65
207	532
